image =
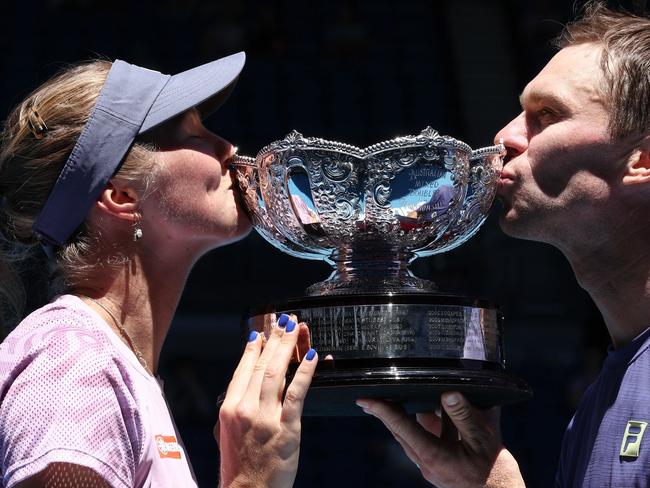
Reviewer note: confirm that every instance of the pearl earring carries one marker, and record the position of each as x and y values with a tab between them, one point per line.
137	231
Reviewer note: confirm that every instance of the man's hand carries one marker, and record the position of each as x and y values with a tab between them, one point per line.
474	455
258	432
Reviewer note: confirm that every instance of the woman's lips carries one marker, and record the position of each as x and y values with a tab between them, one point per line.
506	179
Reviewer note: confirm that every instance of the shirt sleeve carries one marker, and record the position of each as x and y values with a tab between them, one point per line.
69	400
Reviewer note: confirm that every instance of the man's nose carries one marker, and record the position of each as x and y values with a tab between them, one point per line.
514	136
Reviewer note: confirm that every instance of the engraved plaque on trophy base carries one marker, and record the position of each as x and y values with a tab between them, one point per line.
404	347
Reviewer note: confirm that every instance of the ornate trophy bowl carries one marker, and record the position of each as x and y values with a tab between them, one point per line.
369	213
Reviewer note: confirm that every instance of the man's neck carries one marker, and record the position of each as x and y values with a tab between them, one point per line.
617	276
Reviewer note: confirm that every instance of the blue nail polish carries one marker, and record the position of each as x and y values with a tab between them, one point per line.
310	354
290	326
282	321
252	336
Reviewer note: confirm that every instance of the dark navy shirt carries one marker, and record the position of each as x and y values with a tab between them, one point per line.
610	420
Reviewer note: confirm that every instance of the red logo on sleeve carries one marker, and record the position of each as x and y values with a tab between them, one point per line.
168	447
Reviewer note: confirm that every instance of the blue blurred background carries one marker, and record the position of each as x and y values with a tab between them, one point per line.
357	71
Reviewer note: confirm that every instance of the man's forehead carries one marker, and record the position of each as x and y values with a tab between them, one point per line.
572	76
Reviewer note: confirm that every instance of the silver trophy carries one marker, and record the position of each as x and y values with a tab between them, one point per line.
369	213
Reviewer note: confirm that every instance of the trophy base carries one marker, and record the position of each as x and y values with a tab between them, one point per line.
403	347
414	383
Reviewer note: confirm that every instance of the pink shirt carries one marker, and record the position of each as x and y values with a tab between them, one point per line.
72	391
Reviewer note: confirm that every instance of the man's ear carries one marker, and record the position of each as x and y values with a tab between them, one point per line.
639	165
119	201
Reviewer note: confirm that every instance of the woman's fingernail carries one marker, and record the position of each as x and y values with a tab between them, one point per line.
310	354
290	326
252	336
282	321
452	399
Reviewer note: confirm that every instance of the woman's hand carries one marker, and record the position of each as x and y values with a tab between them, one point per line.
477	459
259	433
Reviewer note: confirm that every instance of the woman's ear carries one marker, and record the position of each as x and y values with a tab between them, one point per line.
639	166
119	200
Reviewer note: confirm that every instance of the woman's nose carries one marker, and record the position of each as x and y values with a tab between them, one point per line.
223	148
514	136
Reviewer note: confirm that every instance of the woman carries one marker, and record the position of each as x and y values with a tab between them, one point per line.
109	171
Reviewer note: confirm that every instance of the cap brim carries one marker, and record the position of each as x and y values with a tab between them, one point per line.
206	86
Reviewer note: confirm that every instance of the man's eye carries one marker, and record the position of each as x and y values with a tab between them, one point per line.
543	117
545	112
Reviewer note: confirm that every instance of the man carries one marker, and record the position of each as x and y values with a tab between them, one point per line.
577	176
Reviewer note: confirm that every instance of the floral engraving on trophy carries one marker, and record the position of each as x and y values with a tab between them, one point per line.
334	180
369	212
485	167
248	182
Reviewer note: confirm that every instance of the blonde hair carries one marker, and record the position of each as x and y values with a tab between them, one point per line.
31	158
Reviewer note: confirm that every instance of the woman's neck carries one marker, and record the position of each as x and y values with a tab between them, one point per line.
143	296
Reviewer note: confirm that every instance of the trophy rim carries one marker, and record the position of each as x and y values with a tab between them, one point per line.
426	137
243	160
481	152
404	298
296	140
397	142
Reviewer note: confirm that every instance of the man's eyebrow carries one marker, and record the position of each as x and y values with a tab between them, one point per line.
545	97
521	99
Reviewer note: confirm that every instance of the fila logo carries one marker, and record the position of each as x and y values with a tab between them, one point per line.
168	447
632	438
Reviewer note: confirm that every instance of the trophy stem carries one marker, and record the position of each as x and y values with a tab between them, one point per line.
380	270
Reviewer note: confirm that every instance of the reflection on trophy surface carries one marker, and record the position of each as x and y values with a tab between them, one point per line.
369	212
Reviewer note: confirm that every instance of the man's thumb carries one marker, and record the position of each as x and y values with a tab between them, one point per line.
461	414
